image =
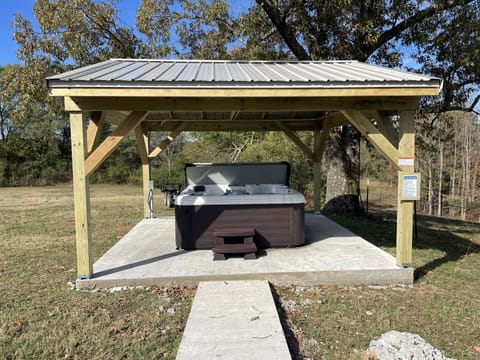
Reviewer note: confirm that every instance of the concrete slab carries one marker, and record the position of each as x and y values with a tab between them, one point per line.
233	320
333	255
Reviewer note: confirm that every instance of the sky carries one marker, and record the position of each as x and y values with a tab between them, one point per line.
24	7
8	47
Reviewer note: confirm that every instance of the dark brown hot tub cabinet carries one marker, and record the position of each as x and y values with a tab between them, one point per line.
219	197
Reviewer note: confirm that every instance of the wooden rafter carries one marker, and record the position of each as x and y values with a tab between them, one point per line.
370	132
96	158
163	145
306	150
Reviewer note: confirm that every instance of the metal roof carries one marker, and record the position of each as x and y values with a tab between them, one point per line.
228	74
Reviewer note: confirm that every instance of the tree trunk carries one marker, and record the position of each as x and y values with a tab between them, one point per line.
430	188
440	183
343	171
453	173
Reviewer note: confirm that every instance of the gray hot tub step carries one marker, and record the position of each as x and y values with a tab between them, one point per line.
233	320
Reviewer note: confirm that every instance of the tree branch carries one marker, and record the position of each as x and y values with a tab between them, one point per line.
407	23
285	31
108	32
470	108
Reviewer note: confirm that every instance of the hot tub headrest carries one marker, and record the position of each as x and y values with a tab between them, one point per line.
238	173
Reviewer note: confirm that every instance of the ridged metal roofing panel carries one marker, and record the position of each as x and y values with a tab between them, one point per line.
221	72
342	71
113	74
294	74
156	72
190	73
322	73
253	74
68	75
138	72
205	73
270	73
387	73
237	73
173	72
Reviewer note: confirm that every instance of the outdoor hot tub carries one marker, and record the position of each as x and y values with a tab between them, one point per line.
220	197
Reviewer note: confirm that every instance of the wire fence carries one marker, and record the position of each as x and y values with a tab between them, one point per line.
382	196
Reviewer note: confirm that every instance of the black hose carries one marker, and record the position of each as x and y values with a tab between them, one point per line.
150	203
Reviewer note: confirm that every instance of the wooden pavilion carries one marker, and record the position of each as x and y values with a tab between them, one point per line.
144	96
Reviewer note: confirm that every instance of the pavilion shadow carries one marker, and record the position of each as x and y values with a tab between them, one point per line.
381	231
138	263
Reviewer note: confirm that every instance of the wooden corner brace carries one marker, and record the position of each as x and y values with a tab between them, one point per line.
98	156
372	134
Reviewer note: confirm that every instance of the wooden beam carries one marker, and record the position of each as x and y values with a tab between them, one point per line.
406	147
156	152
96	158
141	136
238	125
229	104
94	130
114	117
372	134
386	127
247	92
305	149
81	193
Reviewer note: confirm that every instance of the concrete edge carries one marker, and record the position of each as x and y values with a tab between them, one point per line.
383	277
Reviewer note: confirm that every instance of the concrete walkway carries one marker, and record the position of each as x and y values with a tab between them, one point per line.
333	255
233	320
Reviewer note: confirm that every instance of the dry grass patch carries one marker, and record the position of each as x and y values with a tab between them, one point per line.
41	317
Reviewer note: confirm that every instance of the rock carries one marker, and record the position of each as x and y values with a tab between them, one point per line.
171	311
394	345
115	289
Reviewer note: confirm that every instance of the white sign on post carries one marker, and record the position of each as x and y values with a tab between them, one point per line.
410	186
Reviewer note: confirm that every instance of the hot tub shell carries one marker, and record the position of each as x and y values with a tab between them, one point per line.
232	196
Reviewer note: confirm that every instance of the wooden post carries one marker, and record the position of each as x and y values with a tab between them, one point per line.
141	135
81	193
406	148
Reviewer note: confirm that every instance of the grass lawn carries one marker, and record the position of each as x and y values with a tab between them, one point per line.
41	317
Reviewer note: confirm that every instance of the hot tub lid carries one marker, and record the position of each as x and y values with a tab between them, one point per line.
237	173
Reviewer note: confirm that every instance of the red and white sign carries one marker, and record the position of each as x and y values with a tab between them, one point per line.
406	161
